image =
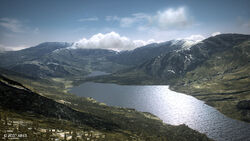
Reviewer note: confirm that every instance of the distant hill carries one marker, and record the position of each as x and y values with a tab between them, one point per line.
215	70
142	54
55	59
58	59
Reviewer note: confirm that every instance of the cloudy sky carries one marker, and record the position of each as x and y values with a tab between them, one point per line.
117	23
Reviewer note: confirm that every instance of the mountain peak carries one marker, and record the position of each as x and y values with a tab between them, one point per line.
183	43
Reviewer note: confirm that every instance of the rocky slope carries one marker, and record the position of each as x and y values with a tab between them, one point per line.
142	54
177	63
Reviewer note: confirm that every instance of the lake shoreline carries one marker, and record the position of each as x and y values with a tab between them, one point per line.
223	117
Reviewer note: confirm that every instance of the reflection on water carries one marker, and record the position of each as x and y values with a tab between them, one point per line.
172	107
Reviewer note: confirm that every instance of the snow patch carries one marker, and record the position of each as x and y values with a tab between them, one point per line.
171	71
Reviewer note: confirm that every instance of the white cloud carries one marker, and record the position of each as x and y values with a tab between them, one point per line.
215	33
139	43
111	41
127	22
17	26
136	18
2	48
243	22
142	28
88	19
172	18
112	18
195	37
11	48
247	24
13	25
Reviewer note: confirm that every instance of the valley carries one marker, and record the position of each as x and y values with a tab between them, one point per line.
64	116
134	70
214	70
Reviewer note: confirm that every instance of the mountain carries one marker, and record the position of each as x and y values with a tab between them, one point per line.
177	63
215	70
142	54
60	59
25	61
57	59
12	58
30	112
84	61
223	79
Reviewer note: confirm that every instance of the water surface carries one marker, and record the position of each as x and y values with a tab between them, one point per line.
172	107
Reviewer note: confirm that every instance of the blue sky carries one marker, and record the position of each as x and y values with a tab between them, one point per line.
25	23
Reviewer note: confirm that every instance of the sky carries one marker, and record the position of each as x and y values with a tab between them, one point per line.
121	24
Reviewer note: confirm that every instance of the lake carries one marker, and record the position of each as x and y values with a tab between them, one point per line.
172	107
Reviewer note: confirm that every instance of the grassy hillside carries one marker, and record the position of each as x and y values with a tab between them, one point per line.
71	117
215	70
222	81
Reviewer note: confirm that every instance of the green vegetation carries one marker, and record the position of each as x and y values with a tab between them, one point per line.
222	81
216	71
25	127
78	118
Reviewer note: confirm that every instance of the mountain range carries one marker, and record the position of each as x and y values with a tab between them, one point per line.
59	59
215	70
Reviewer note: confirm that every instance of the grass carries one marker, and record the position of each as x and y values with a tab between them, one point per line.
132	125
222	81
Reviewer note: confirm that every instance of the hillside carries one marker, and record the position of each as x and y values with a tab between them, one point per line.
21	105
223	81
215	70
55	59
60	59
142	54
